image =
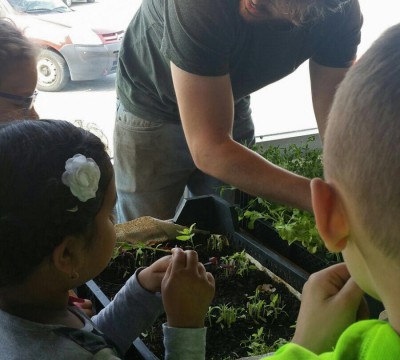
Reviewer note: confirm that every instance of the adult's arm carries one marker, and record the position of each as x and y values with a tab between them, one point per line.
206	108
324	82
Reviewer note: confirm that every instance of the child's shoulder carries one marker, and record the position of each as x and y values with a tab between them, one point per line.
24	339
364	340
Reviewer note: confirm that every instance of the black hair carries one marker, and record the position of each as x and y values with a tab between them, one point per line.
34	203
14	46
310	10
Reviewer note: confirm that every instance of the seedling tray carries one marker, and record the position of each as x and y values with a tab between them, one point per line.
293	264
214	214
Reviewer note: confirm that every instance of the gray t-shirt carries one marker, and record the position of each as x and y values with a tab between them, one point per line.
210	38
106	336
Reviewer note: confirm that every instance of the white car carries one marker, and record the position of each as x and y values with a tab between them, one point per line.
69	2
71	47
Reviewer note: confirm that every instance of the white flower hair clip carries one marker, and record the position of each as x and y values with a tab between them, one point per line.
82	176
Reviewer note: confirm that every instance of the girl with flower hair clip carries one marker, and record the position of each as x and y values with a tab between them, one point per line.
18	79
57	195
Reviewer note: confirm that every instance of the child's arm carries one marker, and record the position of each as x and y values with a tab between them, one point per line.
135	307
187	291
330	303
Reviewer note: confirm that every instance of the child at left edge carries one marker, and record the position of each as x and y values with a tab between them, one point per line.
57	195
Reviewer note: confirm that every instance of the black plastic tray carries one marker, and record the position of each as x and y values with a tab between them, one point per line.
291	263
216	215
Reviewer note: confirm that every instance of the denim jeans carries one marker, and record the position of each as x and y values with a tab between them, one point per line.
153	166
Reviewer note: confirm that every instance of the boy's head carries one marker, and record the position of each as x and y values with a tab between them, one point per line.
18	74
37	209
361	204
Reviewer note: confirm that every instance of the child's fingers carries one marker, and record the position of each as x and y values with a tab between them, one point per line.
351	294
178	259
210	278
192	259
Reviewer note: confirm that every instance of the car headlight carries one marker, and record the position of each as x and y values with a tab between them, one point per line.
84	36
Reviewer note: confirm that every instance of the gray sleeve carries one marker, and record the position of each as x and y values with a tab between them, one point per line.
339	48
198	36
184	344
131	312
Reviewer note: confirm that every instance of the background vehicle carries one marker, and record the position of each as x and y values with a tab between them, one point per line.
70	48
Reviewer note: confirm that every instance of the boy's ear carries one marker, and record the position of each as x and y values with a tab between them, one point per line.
330	215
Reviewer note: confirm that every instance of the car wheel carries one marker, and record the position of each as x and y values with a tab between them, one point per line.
53	73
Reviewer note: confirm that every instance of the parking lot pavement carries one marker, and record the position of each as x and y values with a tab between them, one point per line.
92	102
88	101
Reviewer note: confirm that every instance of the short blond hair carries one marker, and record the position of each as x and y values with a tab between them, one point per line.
362	143
14	46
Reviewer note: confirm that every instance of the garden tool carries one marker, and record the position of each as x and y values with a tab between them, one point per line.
150	231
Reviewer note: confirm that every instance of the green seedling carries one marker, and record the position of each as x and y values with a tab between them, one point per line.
226	315
291	224
217	242
276	306
256	343
256	307
187	235
238	263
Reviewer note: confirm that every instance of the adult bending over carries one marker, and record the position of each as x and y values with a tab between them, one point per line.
186	71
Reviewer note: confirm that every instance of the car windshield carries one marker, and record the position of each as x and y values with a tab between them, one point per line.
33	6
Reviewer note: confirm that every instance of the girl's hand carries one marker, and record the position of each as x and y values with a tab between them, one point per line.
330	303
187	290
84	304
150	277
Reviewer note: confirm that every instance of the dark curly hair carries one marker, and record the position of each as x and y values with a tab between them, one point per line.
305	11
34	203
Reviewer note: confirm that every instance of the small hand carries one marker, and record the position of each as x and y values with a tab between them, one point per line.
84	304
187	290
150	277
330	303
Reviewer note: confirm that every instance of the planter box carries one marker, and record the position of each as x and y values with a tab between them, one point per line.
218	216
291	265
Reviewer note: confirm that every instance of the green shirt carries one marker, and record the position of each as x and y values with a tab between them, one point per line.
364	340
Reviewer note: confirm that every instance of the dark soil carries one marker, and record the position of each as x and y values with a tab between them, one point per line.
233	288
